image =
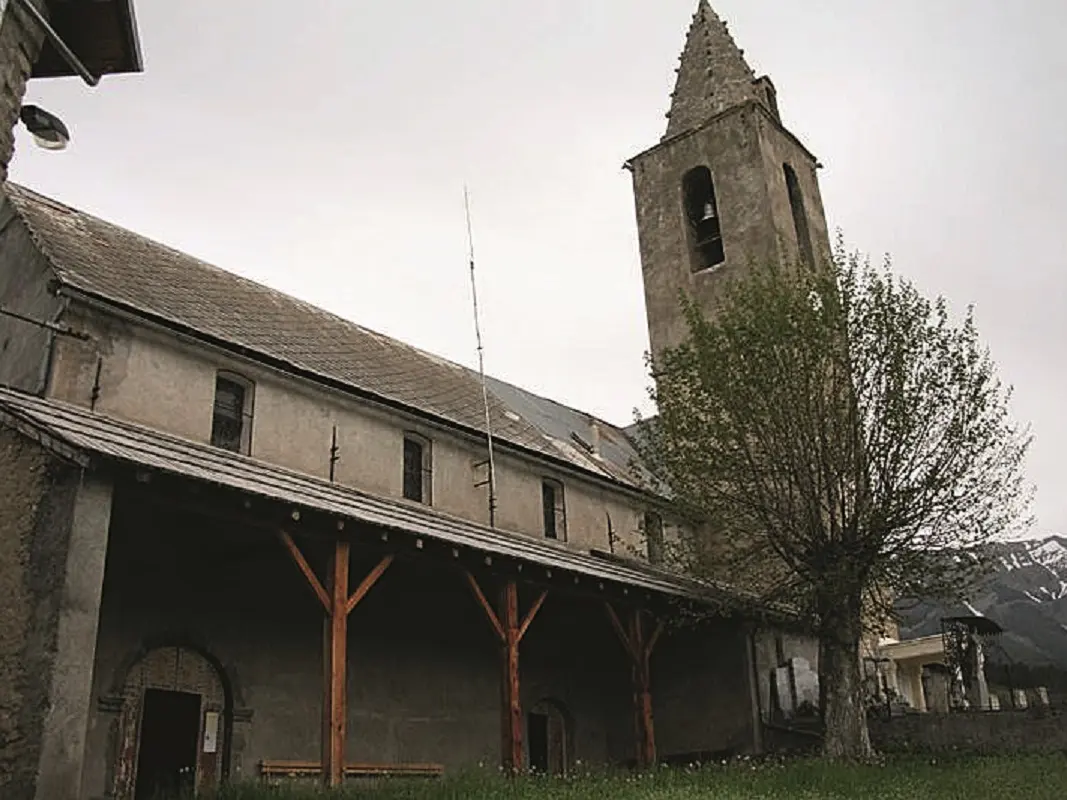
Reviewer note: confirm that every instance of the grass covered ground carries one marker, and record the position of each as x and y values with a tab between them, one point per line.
1003	778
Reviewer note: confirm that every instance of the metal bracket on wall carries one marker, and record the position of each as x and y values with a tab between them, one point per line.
62	330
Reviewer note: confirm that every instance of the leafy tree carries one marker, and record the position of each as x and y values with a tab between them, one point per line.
833	435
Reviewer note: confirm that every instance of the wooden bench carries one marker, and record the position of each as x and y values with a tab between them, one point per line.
306	769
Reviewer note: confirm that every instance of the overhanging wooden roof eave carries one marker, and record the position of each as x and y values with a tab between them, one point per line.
102	34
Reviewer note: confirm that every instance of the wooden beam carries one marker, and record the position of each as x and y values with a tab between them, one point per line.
540	601
498	629
368	583
304	567
624	637
651	644
333	759
511	739
639	648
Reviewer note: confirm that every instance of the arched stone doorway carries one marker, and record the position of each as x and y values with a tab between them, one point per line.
548	738
174	724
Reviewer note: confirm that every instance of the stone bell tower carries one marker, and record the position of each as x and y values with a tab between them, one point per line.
728	185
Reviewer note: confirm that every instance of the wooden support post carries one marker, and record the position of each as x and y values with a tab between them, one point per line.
639	648
511	728
338	604
509	630
333	749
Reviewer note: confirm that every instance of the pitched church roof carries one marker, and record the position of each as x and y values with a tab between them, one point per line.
156	282
712	74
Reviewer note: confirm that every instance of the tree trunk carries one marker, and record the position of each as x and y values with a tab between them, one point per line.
844	714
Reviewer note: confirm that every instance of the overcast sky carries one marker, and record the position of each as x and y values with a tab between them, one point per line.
321	147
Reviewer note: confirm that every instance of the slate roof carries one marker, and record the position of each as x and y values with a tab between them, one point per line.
110	263
81	435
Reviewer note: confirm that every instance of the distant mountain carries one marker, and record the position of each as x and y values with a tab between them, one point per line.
1026	595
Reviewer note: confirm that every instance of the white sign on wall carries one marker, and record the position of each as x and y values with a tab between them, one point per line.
211	732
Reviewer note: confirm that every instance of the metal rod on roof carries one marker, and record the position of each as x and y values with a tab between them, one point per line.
72	60
481	364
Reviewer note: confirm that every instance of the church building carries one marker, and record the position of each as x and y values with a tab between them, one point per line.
242	538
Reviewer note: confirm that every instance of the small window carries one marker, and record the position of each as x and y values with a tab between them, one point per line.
555	517
702	216
654	537
800	216
417	469
231	421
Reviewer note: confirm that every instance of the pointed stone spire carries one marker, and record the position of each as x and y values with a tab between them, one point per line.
712	76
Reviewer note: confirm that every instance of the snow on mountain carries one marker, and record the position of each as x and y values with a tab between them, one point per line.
1044	561
1026	594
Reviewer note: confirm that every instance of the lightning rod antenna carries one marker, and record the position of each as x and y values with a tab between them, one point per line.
481	364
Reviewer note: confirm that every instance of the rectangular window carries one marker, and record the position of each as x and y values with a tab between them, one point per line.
231	421
654	537
555	520
417	474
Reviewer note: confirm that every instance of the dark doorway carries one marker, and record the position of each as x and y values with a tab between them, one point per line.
537	735
166	757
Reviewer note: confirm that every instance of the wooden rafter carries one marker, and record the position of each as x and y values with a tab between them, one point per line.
540	601
494	621
305	568
368	583
624	636
651	643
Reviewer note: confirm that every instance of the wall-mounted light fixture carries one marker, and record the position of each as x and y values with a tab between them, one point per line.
47	129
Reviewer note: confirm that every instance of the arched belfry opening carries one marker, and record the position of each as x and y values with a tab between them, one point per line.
702	217
800	216
173	730
548	738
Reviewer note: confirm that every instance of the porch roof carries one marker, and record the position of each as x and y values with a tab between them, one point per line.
84	436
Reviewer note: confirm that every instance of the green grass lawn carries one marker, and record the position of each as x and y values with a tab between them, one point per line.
1003	778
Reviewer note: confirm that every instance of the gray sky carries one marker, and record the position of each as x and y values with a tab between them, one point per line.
321	147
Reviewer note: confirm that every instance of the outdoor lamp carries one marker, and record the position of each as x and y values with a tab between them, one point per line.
48	130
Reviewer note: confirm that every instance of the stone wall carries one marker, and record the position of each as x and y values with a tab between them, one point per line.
1036	730
20	43
53	537
745	148
26	479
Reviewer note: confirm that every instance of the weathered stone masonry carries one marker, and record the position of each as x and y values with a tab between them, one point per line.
20	44
53	534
